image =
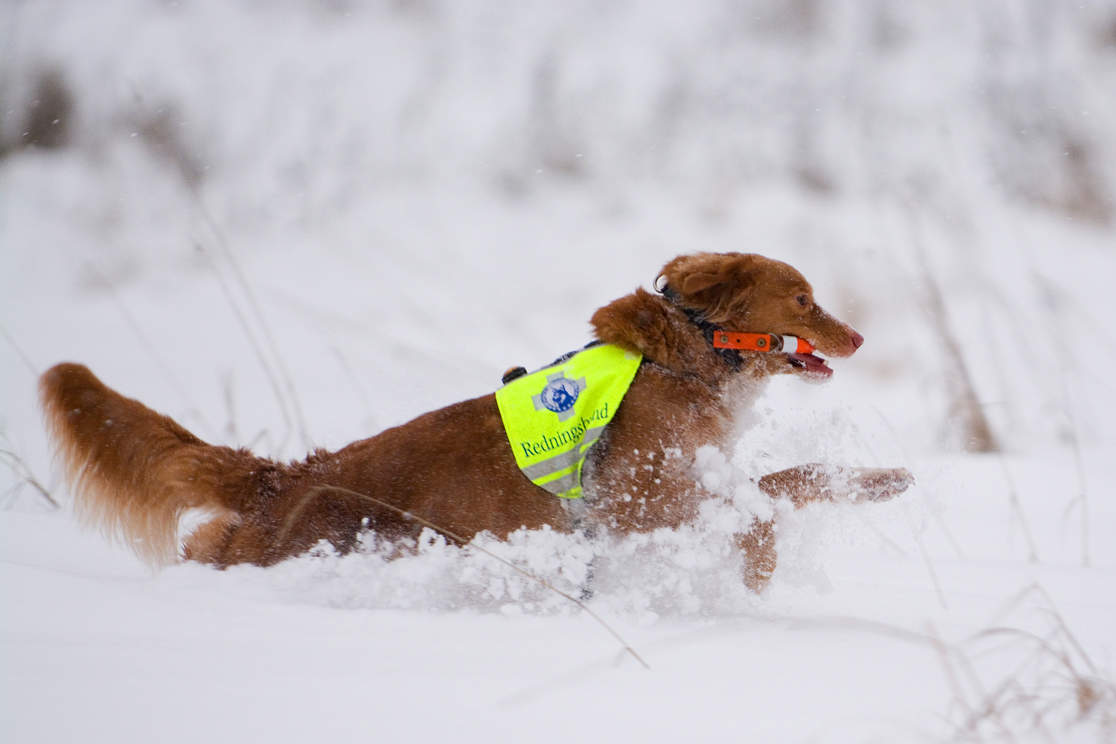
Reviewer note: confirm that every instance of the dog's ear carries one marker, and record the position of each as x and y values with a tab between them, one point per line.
699	282
715	284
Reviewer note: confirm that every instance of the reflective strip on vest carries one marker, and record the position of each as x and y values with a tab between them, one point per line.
552	417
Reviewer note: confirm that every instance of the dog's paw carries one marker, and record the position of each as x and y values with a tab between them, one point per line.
879	484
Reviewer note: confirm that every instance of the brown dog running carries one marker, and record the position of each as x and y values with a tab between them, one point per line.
135	472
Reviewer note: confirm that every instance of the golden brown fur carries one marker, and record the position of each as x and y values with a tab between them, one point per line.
135	472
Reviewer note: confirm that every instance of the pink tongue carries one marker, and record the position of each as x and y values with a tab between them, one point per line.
813	364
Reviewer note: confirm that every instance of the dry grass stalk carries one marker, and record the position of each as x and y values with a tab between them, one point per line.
261	320
1054	684
269	372
26	477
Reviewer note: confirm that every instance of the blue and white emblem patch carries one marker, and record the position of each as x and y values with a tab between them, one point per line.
559	395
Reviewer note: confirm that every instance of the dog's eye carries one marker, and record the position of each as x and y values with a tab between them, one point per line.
803	300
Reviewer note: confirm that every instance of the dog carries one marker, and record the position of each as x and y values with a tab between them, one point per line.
135	473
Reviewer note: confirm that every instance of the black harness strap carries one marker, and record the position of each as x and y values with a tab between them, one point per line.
731	357
515	373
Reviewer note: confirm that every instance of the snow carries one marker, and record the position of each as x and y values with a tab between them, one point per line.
295	224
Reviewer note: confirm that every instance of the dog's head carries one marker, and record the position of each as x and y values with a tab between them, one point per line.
746	292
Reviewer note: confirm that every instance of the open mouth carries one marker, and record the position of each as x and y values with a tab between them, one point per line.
811	365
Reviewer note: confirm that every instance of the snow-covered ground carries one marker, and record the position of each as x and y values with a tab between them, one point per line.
294	224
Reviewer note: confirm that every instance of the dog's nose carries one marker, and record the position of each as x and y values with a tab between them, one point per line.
857	340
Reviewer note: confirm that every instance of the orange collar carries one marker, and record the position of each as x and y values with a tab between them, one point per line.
760	342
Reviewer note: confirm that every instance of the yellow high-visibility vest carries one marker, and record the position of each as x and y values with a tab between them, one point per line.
553	416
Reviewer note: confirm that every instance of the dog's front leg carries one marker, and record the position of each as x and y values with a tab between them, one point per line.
806	484
803	485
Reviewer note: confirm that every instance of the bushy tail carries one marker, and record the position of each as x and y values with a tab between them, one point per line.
134	472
